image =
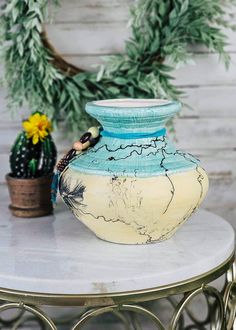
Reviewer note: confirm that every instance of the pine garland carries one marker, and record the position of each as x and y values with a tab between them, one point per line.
162	30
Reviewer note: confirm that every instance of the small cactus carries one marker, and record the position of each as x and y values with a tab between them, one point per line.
34	152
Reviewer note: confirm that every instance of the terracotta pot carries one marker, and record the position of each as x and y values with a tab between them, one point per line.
30	197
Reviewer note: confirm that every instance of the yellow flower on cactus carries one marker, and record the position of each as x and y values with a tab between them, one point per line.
37	127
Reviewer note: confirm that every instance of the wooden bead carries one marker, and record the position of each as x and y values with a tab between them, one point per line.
88	139
78	146
85	145
85	137
94	131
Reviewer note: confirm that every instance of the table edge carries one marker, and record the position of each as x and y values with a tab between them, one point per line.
104	299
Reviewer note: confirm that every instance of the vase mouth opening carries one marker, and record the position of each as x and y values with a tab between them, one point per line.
132	103
128	107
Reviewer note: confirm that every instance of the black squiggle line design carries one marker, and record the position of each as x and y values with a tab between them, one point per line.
172	190
138	229
174	228
121	221
195	161
154	153
200	176
149	237
97	217
142	147
132	145
200	179
142	230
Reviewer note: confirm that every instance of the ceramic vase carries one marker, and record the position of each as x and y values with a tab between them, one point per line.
133	186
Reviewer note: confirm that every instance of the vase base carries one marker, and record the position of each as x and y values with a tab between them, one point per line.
30	213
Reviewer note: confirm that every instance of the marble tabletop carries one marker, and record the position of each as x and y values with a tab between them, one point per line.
59	255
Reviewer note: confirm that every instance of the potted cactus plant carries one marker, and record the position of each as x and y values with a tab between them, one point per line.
32	160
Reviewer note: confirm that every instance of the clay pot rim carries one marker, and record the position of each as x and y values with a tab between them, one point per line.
9	178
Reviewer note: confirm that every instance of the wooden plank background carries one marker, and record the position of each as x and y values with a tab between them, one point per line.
84	31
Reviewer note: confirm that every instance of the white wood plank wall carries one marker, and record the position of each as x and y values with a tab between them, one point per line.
85	30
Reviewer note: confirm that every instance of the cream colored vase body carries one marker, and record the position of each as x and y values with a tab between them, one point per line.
133	186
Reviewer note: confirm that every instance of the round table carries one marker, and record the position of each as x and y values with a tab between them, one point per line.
56	260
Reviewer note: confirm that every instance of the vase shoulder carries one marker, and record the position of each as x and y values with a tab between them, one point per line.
134	157
133	140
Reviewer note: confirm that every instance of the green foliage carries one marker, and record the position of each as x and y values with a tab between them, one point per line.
28	160
161	33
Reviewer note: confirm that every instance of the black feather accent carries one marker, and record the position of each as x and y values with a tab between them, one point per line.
73	195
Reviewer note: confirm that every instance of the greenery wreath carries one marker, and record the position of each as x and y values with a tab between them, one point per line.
161	33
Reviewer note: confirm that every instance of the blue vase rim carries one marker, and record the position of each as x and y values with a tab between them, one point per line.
133	107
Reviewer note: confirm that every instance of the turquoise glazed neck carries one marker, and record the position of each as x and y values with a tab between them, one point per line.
132	116
133	140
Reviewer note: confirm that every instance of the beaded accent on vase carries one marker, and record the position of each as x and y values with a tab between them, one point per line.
88	139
